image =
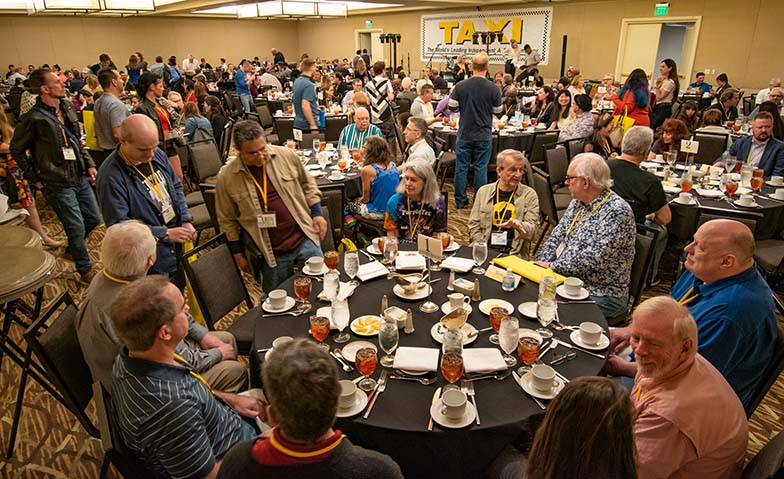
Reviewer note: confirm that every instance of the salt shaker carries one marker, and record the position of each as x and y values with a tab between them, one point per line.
476	296
451	281
384	304
409	328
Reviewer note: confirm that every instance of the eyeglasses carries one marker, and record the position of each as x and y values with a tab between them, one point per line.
570	178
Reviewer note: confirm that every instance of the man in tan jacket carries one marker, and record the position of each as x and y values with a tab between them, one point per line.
267	192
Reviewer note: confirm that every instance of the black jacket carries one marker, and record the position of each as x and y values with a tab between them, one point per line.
43	138
147	108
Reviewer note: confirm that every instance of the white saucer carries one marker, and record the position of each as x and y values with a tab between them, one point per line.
373	249
307	271
290	302
753	204
685	203
603	343
366	334
349	351
413	372
468	417
420	293
561	290
446	309
528	309
525	382
360	401
775	185
336	178
466	329
453	246
488	304
773	197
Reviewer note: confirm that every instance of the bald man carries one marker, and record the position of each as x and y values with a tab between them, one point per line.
731	303
137	182
355	135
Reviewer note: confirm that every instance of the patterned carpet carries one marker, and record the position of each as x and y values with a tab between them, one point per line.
52	444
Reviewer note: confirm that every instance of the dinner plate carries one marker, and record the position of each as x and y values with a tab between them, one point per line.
306	269
336	178
367	325
373	249
349	351
753	204
603	343
773	197
466	329
526	380
413	372
528	309
420	293
561	290
446	309
685	203
468	417
488	304
453	246
290	302
360	401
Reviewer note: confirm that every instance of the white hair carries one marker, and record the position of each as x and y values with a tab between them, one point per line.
126	248
421	168
593	167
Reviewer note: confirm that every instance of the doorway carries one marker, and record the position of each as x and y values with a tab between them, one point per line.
645	42
369	40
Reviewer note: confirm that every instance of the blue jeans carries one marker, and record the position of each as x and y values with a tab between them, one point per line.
611	306
271	278
465	152
247	102
78	212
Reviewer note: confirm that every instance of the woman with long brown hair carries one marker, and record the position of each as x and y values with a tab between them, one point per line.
669	139
667	86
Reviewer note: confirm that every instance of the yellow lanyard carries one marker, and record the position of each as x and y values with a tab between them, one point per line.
686	299
262	191
362	136
498	200
726	113
280	447
572	226
193	373
606	146
414	226
640	396
164	114
112	278
156	187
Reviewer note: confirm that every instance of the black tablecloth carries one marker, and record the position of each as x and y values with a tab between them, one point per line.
518	140
351	183
398	423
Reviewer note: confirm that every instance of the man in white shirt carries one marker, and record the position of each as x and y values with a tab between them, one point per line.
380	93
269	79
530	59
190	65
422	107
764	95
414	134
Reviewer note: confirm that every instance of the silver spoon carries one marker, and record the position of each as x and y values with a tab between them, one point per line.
500	376
297	312
425	381
476	332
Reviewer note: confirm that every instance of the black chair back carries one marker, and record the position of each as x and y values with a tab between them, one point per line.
712	146
225	145
333	199
265	117
547	208
643	260
773	368
335	125
556	163
748	218
255	117
748	104
208	194
284	127
769	462
209	265
205	159
328	243
307	139
236	103
575	147
404	104
541	138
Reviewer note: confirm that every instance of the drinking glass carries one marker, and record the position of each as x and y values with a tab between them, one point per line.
316	145
508	338
731	187
686	182
746	172
729	163
497	315
445	240
390	252
365	361
319	329
331	259
331	285
672	158
757	179
452	357
342	163
351	265
341	316
545	311
480	255
302	289
547	285
528	351
388	339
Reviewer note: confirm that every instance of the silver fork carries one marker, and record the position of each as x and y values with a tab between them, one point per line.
468	388
425	381
382	384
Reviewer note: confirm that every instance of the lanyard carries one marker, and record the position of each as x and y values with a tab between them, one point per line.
112	278
193	373
572	226
414	226
606	146
163	113
498	200
362	137
280	447
639	396
156	187
262	191
65	131
689	297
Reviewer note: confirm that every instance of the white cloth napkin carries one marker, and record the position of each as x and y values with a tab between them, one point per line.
417	359
344	292
409	260
371	270
326	312
649	164
742	191
709	193
461	265
482	360
671	189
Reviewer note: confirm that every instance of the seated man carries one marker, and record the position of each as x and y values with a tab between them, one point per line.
355	135
267	193
760	149
594	240
415	135
422	107
348	98
583	125
128	252
169	416
688	423
776	96
731	303
728	104
699	84
301	383
506	212
417	207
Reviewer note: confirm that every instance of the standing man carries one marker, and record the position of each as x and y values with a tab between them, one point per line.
304	97
190	65
380	93
58	164
365	56
137	182
242	78
109	114
530	60
478	99
277	57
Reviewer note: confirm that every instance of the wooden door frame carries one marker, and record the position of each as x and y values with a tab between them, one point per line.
366	30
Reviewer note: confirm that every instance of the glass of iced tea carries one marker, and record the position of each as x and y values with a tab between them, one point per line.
686	182
331	259
366	360
732	187
757	179
342	164
452	357
524	125
356	156
302	289
497	314
290	109
534	121
528	350
319	329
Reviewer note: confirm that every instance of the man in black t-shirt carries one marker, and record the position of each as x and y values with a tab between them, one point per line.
642	189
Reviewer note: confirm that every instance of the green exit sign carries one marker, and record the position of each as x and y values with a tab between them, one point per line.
368	23
661	9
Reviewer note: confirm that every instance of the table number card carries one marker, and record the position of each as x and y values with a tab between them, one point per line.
298	134
430	247
690	146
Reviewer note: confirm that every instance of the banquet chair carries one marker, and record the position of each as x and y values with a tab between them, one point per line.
748	104
544	191
206	161
769	462
556	163
541	138
333	199
335	125
307	139
575	147
284	128
208	193
773	368
446	161
265	118
712	146
212	264
404	104
769	255
225	144
644	243
328	243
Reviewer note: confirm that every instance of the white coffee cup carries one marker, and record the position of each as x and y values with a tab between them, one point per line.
330	146
543	377
458	300
573	286
277	298
590	333
777	180
454	402
779	193
660	158
278	342
716	172
315	264
348	391
685	197
746	200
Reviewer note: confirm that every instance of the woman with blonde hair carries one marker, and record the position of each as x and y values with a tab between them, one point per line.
362	71
92	85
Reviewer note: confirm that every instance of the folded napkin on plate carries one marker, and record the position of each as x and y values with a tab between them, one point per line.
461	265
371	270
344	292
671	189
417	359
483	360
709	193
409	260
526	269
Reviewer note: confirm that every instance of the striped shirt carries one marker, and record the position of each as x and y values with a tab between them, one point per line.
378	91
352	138
170	420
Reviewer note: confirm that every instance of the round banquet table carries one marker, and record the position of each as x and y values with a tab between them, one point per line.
20	236
398	423
23	270
351	181
516	140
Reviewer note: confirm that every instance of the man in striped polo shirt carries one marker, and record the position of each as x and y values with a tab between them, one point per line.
168	414
355	135
381	93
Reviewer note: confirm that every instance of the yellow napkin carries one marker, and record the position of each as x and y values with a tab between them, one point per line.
526	269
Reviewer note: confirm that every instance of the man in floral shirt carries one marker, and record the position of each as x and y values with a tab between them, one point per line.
594	240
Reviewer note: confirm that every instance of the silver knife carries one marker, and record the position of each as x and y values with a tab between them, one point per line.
436	398
368	255
550	346
520	383
564	343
